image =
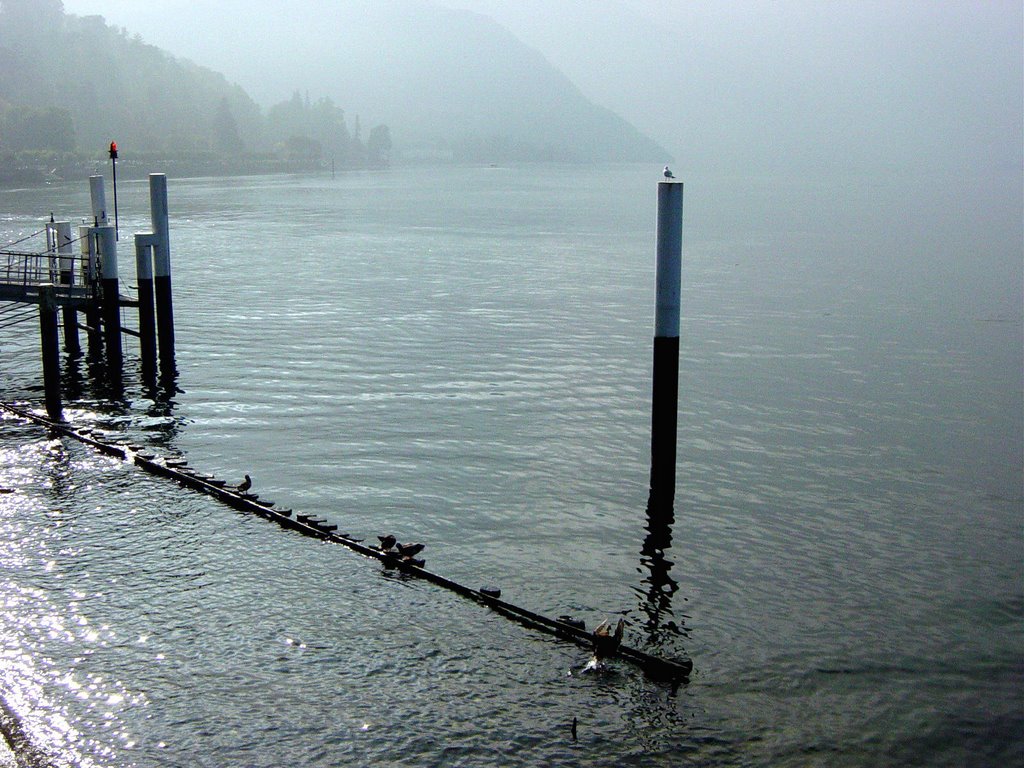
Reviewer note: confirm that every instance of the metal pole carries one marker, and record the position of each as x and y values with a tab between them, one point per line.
665	399
113	171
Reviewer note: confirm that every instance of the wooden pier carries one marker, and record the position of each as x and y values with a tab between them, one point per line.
74	281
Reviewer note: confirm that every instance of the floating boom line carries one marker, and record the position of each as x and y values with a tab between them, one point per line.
675	671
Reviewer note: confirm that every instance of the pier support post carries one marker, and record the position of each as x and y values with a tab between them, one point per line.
162	271
111	299
90	279
67	279
665	401
147	316
50	344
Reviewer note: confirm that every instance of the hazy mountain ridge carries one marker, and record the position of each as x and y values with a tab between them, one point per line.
457	80
472	92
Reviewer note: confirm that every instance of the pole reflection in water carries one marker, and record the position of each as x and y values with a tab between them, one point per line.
657	587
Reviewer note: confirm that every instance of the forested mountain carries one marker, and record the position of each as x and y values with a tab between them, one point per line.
69	85
450	83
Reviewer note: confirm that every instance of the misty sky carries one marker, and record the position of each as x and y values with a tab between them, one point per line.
885	83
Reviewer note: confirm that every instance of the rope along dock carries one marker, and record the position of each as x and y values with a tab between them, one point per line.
669	670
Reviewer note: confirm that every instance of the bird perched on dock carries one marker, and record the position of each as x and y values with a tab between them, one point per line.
668	173
245	485
387	542
606	644
408	550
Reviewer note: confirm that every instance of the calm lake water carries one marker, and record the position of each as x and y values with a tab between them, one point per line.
461	356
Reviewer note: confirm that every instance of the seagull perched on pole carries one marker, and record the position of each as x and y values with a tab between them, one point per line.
668	173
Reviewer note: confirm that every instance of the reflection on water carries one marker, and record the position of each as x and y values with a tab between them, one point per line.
657	588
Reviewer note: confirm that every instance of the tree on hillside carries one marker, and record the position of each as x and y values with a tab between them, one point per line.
378	146
321	122
225	130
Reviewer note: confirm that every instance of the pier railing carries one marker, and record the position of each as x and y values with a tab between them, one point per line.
21	273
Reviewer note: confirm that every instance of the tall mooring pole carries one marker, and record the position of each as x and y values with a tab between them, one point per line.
107	238
665	400
147	315
162	271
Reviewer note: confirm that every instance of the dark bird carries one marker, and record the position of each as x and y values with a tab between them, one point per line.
605	643
668	173
408	550
245	485
387	542
419	563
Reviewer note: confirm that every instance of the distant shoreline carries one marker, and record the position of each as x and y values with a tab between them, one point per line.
32	172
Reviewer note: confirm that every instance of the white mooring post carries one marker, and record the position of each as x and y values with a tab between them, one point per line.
107	238
147	317
665	396
162	270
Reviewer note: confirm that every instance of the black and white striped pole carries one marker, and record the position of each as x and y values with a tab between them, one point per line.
162	271
665	395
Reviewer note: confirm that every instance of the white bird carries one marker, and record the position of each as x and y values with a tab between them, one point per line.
668	173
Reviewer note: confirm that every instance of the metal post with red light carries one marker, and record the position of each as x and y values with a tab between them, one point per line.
113	167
